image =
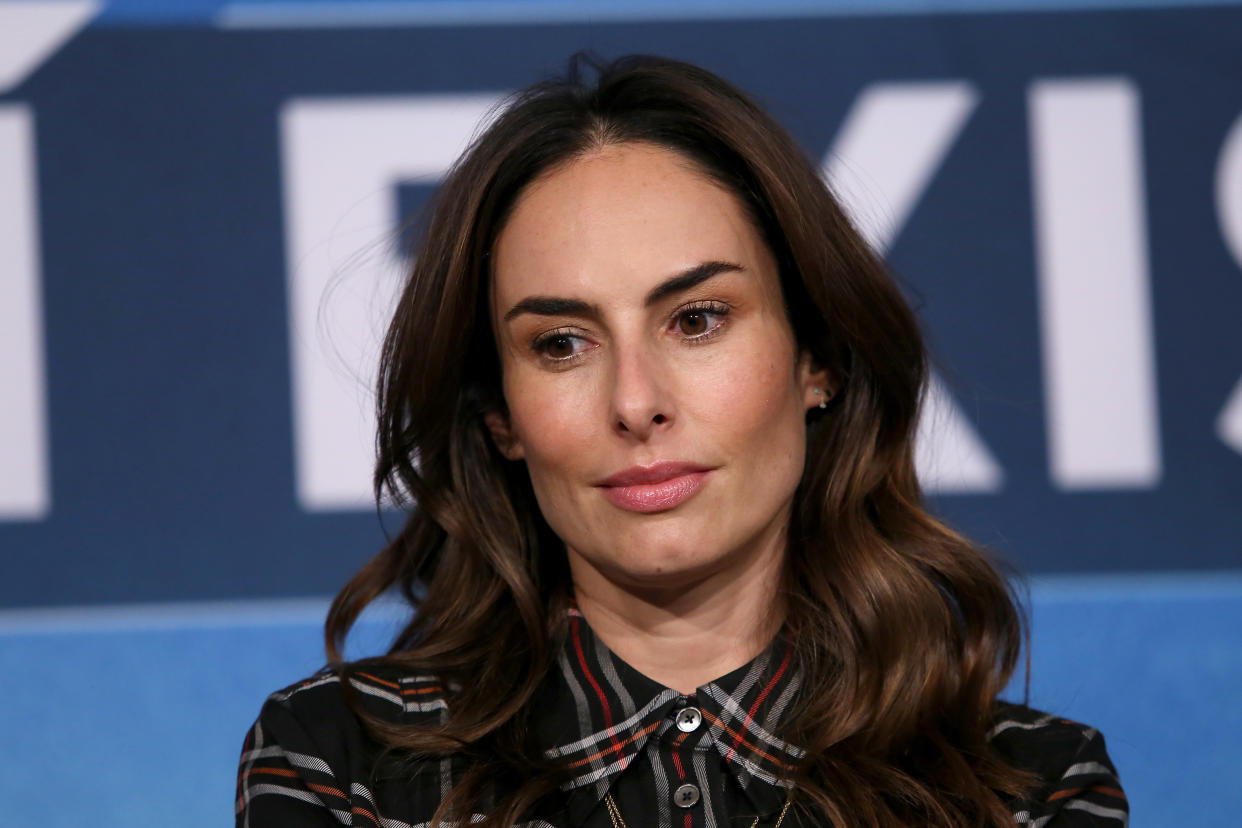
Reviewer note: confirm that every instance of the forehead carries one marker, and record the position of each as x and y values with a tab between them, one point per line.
618	221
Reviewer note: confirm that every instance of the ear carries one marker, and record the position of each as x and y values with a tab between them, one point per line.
508	443
818	386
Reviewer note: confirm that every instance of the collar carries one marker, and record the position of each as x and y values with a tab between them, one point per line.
601	712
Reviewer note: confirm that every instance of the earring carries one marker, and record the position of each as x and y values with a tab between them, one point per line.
824	402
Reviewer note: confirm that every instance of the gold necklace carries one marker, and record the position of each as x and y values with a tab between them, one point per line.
617	822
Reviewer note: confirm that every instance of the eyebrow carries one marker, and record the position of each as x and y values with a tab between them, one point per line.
561	306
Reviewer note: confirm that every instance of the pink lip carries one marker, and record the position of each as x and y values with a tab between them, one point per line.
654	488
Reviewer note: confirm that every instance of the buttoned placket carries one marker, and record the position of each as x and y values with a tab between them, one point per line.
666	759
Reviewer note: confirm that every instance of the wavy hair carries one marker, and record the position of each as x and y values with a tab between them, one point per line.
906	630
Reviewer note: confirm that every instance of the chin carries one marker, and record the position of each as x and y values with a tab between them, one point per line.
655	560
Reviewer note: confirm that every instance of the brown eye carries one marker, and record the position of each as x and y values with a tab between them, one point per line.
699	323
559	347
693	323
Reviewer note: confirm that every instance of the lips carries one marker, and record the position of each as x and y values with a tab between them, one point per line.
654	488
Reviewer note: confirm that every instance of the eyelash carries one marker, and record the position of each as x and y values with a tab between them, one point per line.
709	308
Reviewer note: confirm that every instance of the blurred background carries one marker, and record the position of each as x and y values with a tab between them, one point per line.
200	211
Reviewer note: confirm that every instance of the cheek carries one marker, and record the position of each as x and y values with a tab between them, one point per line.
752	396
551	420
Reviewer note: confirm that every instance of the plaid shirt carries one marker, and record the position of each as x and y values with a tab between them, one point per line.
707	760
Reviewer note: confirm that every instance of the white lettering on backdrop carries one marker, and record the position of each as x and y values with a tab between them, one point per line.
29	34
1229	213
1094	291
343	158
887	151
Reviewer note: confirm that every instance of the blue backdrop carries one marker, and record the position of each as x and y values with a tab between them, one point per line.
198	201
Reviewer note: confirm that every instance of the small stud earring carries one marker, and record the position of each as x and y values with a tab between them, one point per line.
822	403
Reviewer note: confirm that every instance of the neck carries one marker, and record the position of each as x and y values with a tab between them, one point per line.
686	635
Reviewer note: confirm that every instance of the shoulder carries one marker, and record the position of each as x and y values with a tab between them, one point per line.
324	708
1077	782
309	756
386	692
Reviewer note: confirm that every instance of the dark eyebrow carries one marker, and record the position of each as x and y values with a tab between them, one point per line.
689	278
552	306
560	306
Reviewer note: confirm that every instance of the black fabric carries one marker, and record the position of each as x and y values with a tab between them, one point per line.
308	760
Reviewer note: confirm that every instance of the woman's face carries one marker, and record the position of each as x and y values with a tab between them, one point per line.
653	384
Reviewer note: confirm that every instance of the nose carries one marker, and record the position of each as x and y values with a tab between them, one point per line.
641	398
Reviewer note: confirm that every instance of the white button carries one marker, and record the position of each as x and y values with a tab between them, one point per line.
686	796
689	719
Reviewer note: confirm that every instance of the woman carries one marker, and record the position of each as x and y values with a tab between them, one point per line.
655	401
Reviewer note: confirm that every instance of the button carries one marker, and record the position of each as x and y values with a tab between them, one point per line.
686	796
689	719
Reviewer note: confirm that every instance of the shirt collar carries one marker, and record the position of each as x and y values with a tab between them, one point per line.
600	713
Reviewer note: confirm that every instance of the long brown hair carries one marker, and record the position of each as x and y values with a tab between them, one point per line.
904	630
